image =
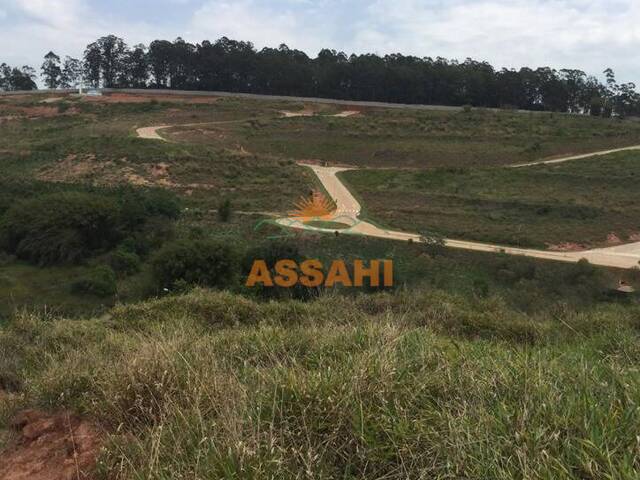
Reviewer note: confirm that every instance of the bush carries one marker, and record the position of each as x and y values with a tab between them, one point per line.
271	252
202	262
60	227
101	281
225	210
67	227
125	262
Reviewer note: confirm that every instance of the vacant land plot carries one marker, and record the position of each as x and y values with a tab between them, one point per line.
569	205
432	139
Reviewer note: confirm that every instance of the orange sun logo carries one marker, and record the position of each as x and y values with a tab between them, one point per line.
317	206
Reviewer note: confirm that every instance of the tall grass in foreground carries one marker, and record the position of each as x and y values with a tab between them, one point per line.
211	385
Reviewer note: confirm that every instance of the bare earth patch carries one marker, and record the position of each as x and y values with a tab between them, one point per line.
310	113
613	239
17	112
567	247
51	447
88	169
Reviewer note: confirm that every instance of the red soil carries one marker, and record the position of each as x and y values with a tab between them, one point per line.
51	447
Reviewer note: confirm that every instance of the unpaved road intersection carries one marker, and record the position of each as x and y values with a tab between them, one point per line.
348	208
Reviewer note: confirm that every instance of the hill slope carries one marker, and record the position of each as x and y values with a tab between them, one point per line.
409	385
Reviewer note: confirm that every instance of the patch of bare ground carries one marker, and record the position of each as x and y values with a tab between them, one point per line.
8	118
309	112
567	247
32	113
88	169
57	446
613	239
52	100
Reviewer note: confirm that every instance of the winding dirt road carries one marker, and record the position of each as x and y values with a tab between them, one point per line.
151	133
575	157
348	210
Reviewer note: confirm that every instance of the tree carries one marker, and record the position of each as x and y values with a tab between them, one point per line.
160	52
236	66
51	71
12	78
92	64
71	73
136	68
5	76
104	61
113	51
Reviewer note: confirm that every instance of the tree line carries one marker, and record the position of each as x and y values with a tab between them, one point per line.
237	66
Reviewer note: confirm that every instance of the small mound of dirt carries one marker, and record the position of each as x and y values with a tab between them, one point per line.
613	239
51	447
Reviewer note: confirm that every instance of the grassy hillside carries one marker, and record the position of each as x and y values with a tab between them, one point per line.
413	385
89	145
425	140
578	202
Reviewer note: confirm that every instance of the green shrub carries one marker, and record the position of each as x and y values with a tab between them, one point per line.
225	210
69	226
202	262
100	281
124	262
138	205
271	252
60	227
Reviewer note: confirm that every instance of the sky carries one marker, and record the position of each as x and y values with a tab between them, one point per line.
590	35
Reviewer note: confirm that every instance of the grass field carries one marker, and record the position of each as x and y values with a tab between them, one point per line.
575	202
425	140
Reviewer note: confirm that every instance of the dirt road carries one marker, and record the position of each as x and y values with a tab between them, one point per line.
623	256
348	208
575	157
151	133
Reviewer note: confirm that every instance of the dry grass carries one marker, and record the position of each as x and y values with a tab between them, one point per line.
212	386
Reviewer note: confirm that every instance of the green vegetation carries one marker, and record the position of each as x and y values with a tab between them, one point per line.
430	139
101	282
225	210
400	386
327	225
574	202
204	262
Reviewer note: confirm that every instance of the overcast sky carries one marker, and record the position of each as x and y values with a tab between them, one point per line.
586	34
